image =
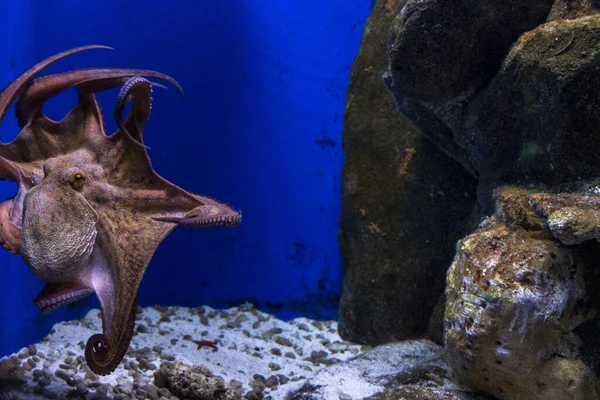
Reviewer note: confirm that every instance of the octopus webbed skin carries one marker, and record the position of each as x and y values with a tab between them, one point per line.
90	210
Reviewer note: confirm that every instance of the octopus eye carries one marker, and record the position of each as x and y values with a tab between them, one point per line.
77	180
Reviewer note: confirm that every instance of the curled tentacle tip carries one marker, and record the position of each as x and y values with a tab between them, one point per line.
155	84
131	138
97	46
96	345
179	88
96	349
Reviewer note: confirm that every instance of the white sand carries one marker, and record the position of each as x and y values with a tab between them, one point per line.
251	342
239	345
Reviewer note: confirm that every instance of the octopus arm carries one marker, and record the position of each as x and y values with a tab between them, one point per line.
210	213
55	295
116	291
10	232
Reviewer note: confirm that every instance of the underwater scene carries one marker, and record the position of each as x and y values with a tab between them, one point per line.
300	200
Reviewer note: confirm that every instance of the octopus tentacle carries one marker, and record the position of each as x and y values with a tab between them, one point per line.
92	79
55	295
8	170
18	86
139	89
103	354
10	234
195	222
102	84
207	215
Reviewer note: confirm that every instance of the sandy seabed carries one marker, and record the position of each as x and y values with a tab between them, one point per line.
257	357
256	352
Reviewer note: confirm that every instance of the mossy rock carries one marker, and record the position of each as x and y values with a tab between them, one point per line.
442	50
538	119
404	205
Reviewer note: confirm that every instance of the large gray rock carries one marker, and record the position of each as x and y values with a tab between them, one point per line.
404	204
442	49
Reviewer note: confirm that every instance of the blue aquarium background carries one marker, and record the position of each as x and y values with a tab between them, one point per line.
260	128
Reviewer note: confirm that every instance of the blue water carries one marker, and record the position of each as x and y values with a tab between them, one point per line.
260	128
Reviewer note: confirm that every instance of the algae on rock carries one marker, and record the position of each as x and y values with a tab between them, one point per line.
442	50
404	204
536	122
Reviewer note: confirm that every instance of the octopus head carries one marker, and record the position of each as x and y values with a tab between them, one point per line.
59	224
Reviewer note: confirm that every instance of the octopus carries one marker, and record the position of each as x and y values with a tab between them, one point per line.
90	210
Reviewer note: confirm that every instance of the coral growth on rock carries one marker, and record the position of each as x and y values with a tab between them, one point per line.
515	295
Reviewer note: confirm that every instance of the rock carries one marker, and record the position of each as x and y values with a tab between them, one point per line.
275	351
442	50
81	389
537	120
125	384
23	353
515	297
268	334
568	9
254	394
572	218
318	357
271	381
274	367
32	349
404	205
11	374
424	383
44	382
419	392
283	341
380	371
193	382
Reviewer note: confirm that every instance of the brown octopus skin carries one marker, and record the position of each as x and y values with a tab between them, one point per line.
90	210
10	234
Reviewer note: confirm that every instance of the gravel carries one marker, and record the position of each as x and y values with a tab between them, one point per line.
258	356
